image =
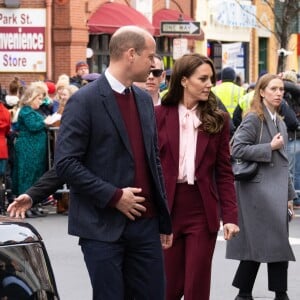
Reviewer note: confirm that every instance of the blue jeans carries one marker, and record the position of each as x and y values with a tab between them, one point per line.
293	151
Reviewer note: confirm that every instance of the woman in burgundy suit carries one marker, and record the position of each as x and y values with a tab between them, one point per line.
194	150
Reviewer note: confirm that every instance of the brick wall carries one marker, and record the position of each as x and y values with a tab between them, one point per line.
70	36
69	33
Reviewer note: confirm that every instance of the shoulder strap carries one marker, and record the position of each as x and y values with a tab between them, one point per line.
259	139
261	130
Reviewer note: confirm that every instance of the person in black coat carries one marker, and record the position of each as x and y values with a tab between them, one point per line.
48	184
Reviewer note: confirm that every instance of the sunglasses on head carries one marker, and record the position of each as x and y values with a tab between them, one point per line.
156	72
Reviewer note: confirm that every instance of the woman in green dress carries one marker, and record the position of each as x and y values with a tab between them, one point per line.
31	144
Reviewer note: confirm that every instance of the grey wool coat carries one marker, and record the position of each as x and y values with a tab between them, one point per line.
263	200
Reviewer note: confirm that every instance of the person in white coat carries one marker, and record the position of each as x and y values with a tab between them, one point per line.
264	200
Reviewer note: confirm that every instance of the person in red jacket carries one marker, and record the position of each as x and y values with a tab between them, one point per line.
4	130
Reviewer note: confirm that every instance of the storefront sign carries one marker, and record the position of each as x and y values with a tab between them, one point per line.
233	56
180	47
22	40
231	13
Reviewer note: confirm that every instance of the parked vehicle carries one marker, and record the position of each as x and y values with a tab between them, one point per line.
25	268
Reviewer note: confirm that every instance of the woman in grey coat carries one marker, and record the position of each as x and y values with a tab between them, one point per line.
264	200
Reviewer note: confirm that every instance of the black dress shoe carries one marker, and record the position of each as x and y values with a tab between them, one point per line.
38	211
243	297
29	214
283	297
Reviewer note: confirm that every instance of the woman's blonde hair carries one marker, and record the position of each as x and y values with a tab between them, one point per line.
62	81
32	91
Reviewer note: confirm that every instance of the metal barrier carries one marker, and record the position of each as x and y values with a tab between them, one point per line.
52	135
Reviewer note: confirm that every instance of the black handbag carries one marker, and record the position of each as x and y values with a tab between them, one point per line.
244	170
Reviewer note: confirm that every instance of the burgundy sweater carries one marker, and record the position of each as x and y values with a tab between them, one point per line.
142	177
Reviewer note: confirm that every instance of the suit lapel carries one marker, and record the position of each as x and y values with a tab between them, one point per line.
202	142
110	104
282	130
273	130
172	125
145	122
270	124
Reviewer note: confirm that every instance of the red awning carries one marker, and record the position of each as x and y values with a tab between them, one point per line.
110	16
173	15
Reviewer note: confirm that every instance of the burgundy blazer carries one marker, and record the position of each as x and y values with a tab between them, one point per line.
213	170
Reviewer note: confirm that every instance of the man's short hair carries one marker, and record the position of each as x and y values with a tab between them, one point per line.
125	38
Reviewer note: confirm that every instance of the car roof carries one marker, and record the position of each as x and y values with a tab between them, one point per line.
16	231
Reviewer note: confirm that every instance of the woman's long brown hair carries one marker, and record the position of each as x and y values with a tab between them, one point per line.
211	116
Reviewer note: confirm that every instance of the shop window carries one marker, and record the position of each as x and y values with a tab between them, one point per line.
164	47
263	54
100	45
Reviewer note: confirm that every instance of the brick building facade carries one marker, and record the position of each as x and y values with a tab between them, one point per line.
66	33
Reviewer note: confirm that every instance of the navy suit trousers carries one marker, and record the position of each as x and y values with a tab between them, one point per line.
130	268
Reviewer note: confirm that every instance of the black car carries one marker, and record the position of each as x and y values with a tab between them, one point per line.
25	268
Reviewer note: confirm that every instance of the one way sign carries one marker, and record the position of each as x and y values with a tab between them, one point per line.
186	28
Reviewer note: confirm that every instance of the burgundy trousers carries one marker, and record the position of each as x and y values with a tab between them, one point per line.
188	261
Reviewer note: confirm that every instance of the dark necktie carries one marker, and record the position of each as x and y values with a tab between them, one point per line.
127	91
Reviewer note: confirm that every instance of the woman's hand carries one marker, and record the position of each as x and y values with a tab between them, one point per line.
291	208
166	240
230	230
277	142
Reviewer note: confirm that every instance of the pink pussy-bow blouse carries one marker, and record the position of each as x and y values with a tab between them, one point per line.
188	124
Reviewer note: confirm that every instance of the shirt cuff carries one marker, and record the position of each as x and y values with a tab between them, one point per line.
115	198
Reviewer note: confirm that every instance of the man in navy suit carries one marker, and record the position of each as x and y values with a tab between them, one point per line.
107	152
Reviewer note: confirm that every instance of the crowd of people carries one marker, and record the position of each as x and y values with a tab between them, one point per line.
148	165
28	112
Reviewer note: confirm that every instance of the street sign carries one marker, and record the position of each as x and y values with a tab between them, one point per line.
185	27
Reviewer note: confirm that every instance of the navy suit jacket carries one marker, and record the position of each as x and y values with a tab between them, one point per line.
93	155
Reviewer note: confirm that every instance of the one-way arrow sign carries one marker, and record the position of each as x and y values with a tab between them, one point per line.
179	27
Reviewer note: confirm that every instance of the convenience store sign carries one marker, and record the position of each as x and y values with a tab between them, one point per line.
22	40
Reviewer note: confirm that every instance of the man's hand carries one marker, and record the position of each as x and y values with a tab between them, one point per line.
129	204
20	205
230	230
166	240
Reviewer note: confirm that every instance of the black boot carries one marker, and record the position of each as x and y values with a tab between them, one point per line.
29	214
281	296
244	296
